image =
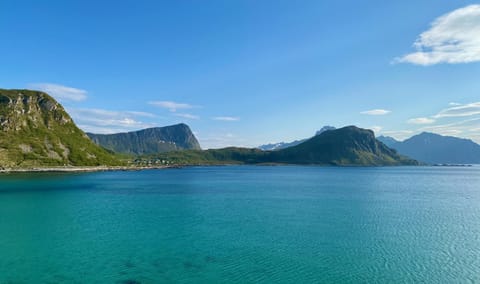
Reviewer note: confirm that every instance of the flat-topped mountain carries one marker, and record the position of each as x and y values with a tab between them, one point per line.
149	141
348	146
437	149
36	131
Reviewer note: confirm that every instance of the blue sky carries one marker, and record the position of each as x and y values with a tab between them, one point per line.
246	73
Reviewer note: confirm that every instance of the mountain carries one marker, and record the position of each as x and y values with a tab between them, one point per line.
348	146
149	141
36	131
283	145
389	141
437	149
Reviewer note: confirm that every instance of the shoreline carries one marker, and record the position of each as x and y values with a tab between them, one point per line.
86	169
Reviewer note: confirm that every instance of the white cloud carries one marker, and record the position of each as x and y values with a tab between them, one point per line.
421	120
108	121
61	93
141	113
187	116
376	112
452	38
226	118
460	110
454	104
171	106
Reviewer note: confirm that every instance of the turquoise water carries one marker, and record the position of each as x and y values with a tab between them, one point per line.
242	225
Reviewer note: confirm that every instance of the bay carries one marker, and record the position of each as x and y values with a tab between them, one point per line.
242	224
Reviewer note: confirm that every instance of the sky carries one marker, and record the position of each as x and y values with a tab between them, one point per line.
246	73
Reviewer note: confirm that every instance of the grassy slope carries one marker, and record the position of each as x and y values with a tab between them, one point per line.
36	131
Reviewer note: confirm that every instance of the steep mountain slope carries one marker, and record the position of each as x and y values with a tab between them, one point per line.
348	146
149	141
36	131
437	149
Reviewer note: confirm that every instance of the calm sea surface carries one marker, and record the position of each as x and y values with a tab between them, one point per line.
242	225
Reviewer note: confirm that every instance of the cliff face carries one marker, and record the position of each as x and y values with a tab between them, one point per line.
149	141
37	131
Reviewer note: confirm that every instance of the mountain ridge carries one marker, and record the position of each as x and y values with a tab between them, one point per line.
434	148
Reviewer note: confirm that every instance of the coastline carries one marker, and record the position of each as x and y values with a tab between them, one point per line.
85	169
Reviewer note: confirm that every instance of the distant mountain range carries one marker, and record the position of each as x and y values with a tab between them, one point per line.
347	146
149	141
436	149
283	145
36	131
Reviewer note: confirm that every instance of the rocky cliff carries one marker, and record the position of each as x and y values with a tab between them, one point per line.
37	131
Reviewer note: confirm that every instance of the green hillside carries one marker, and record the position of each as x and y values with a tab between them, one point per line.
345	146
36	131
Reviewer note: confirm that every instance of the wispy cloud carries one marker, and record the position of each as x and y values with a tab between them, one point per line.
108	121
59	92
460	110
452	38
226	118
187	115
461	128
421	120
171	106
462	120
222	140
376	112
141	113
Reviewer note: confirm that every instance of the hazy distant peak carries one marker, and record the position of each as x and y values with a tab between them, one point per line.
387	140
438	149
325	128
283	145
